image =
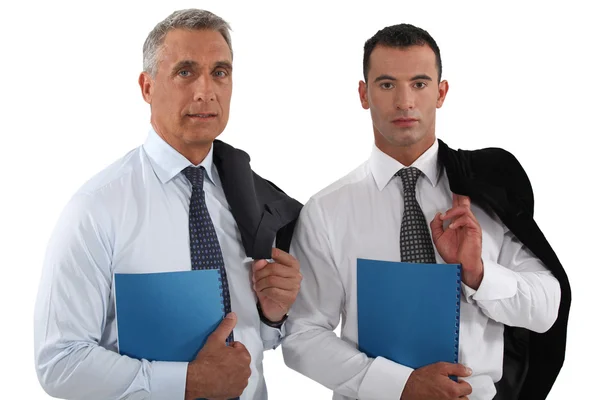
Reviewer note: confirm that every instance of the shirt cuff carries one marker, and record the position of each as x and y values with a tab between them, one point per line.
271	337
384	380
468	292
498	283
168	380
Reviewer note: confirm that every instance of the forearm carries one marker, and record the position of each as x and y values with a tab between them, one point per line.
80	370
322	356
527	299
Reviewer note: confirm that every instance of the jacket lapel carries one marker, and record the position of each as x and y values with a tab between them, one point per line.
236	177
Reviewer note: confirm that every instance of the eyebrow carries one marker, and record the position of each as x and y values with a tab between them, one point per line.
391	78
384	78
193	64
185	63
224	64
422	77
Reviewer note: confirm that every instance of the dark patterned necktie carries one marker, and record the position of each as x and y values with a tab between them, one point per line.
205	250
415	240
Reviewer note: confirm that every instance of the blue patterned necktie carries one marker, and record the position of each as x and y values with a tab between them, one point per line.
415	239
205	250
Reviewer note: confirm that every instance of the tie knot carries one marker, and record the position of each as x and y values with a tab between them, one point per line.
409	178
195	175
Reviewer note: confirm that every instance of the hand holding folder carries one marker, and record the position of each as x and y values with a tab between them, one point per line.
178	316
222	371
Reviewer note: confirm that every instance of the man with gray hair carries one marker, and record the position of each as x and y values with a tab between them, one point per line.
140	215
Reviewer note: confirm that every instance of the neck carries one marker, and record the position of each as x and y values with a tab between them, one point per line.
195	152
406	155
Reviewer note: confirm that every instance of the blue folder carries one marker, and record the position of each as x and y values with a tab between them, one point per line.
167	316
408	313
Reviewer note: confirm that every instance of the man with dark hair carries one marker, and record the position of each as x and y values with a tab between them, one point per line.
473	208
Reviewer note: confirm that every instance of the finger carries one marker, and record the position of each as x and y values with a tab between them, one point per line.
284	258
276	269
464	388
277	282
463	200
238	345
257	265
280	296
455	212
454	200
464	222
243	352
437	227
457	370
224	329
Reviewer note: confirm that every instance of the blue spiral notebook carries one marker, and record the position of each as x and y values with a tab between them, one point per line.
167	316
408	313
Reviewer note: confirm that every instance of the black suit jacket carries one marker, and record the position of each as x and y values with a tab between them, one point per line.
262	211
494	179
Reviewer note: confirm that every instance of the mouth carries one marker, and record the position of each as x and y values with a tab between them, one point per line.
403	122
202	116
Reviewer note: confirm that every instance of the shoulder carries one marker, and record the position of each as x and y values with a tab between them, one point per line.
330	201
116	176
494	166
344	186
490	161
101	193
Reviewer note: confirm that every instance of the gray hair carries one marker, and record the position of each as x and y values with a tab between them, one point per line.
192	19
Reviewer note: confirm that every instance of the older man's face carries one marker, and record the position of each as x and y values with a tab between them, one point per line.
191	92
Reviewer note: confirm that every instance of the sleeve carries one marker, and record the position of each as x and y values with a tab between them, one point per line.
311	347
517	289
271	337
71	311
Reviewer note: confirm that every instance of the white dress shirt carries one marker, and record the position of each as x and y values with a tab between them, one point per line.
132	218
359	216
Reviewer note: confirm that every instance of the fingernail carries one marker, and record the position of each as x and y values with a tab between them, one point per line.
451	226
442	215
229	316
469	371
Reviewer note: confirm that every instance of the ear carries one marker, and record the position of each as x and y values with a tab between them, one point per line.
147	86
362	92
442	91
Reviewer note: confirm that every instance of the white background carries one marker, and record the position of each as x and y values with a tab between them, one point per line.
522	76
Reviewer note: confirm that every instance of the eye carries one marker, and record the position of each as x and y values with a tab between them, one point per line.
387	85
420	85
184	73
220	73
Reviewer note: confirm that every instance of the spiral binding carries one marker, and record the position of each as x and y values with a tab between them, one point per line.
457	322
221	292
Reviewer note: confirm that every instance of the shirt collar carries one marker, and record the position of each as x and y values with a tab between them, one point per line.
383	167
168	162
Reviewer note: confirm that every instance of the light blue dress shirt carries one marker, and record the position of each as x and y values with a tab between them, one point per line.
132	217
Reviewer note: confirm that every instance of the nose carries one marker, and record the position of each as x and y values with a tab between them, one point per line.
404	99
204	89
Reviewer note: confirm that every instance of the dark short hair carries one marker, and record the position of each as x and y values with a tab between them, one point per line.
401	36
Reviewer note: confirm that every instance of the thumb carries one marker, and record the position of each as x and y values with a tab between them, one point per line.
224	329
437	227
